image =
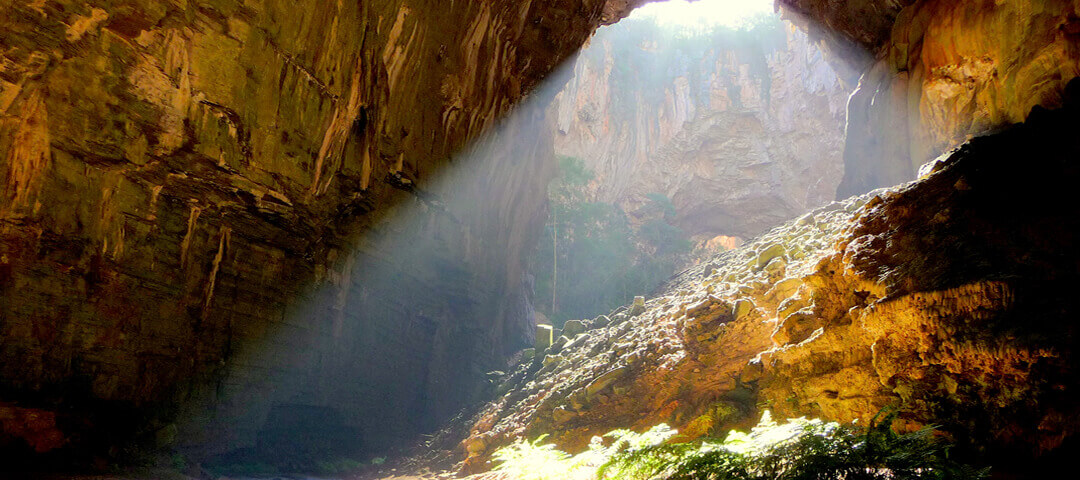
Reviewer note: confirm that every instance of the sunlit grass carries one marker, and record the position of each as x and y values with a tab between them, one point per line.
798	449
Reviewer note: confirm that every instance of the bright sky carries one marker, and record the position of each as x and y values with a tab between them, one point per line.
680	13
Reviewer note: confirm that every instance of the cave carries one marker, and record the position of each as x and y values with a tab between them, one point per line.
415	238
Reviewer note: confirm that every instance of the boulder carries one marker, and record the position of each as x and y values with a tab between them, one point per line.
768	253
742	308
543	337
572	328
601	321
600	383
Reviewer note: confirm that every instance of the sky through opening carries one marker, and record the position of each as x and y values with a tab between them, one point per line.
703	13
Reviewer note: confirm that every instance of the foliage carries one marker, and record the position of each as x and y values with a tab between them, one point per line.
663	203
593	256
524	460
799	449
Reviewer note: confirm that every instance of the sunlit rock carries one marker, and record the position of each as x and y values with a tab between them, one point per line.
948	71
960	319
572	328
544	337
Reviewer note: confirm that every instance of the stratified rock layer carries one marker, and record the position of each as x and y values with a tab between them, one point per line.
950	297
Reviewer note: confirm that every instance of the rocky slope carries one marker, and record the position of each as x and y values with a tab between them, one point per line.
182	189
741	129
947	297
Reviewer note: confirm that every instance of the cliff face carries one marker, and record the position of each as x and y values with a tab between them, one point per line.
741	129
946	71
183	187
943	297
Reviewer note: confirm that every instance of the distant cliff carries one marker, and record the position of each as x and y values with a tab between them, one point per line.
740	128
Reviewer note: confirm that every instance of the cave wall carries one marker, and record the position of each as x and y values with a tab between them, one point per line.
195	202
741	130
866	22
953	301
946	71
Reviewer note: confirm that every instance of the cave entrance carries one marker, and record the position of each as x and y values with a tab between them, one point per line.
678	132
684	129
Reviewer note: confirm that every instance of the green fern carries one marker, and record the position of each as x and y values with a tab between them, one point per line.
531	460
802	449
799	449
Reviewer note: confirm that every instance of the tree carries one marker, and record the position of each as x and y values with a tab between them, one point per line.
595	259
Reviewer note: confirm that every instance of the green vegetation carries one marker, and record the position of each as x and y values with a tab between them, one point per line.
591	258
799	449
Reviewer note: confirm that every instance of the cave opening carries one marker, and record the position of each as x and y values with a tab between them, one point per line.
684	130
374	239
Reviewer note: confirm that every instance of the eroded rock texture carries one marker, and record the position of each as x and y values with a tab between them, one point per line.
948	71
183	184
949	297
741	130
867	22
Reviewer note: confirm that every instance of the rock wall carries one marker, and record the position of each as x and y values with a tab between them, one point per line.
183	188
944	297
740	129
866	22
946	71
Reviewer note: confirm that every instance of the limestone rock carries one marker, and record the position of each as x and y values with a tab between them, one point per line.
603	381
544	337
572	328
768	254
558	344
949	71
561	415
963	319
742	308
796	327
601	321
